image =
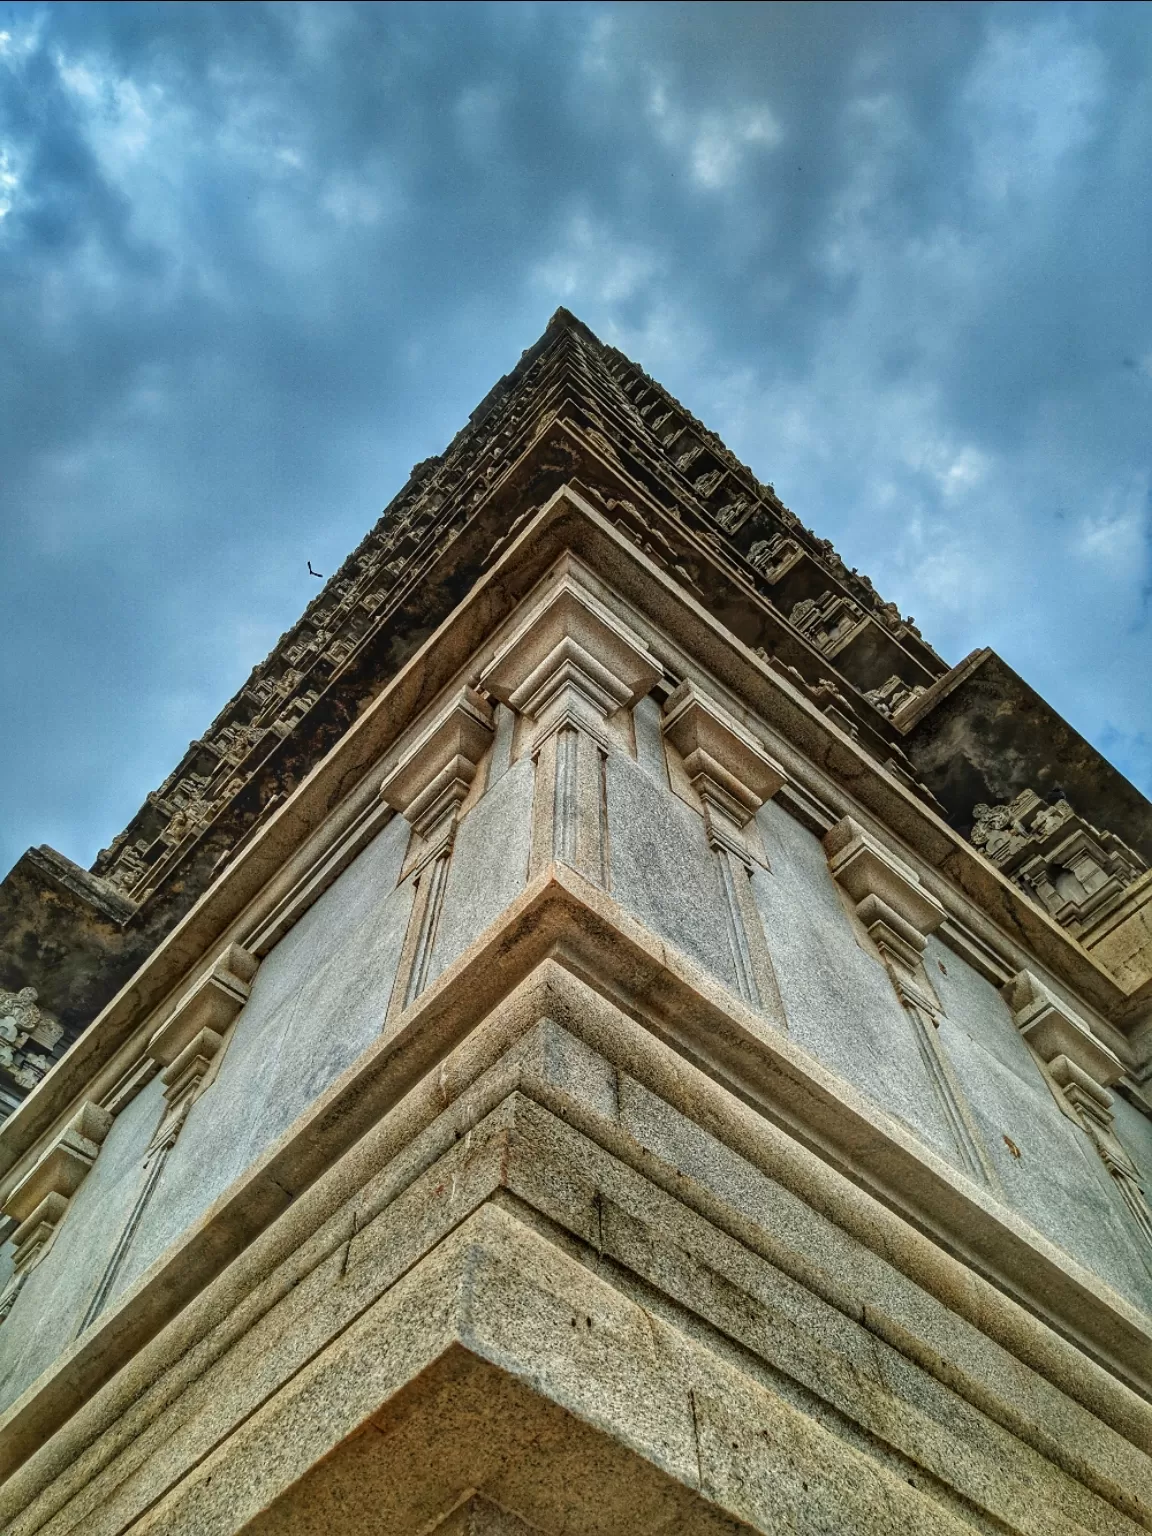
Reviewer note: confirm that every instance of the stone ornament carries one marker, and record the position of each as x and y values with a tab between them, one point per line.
428	786
898	914
21	1021
433	778
733	777
188	1043
570	662
1079	1069
568	667
1074	870
892	695
728	769
40	1200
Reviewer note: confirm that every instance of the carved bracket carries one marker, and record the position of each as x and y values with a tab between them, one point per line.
211	1003
41	1198
899	914
894	907
571	663
727	768
732	776
428	786
1053	1030
567	668
192	1036
1079	1069
432	779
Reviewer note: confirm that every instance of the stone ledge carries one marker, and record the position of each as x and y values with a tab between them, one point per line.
567	529
242	1409
378	1097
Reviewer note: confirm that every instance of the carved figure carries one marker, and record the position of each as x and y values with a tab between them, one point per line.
892	695
1075	870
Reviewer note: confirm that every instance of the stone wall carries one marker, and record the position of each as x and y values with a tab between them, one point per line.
602	1097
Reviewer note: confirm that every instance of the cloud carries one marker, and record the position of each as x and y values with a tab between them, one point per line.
256	260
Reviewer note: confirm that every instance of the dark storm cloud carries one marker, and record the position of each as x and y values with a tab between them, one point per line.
256	260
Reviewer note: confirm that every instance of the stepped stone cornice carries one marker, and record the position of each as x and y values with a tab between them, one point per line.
572	411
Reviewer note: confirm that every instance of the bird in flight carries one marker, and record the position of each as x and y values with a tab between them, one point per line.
311	572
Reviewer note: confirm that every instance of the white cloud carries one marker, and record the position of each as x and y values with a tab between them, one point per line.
122	115
1116	535
1032	98
9	181
715	143
589	265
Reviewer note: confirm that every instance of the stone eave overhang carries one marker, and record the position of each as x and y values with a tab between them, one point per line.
982	733
990	921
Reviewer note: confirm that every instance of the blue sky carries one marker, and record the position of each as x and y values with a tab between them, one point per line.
257	260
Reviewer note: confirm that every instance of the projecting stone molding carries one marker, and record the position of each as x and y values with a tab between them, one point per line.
428	787
728	769
899	914
732	776
39	1201
569	666
432	779
189	1042
890	901
571	663
1080	1069
1055	1031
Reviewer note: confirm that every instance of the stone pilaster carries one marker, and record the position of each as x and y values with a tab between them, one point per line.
898	915
733	777
1080	1069
568	668
428	786
40	1200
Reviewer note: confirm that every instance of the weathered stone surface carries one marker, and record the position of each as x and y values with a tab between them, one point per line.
837	998
50	1306
983	735
514	1124
489	863
318	999
662	870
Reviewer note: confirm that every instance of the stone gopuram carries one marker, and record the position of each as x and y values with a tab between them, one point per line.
607	1032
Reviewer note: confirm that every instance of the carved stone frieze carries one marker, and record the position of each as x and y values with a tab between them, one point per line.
1076	871
826	620
892	695
22	1024
770	556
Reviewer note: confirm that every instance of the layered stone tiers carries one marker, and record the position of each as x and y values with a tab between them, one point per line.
602	1087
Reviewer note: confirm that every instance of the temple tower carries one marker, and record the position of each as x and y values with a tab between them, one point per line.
607	1031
